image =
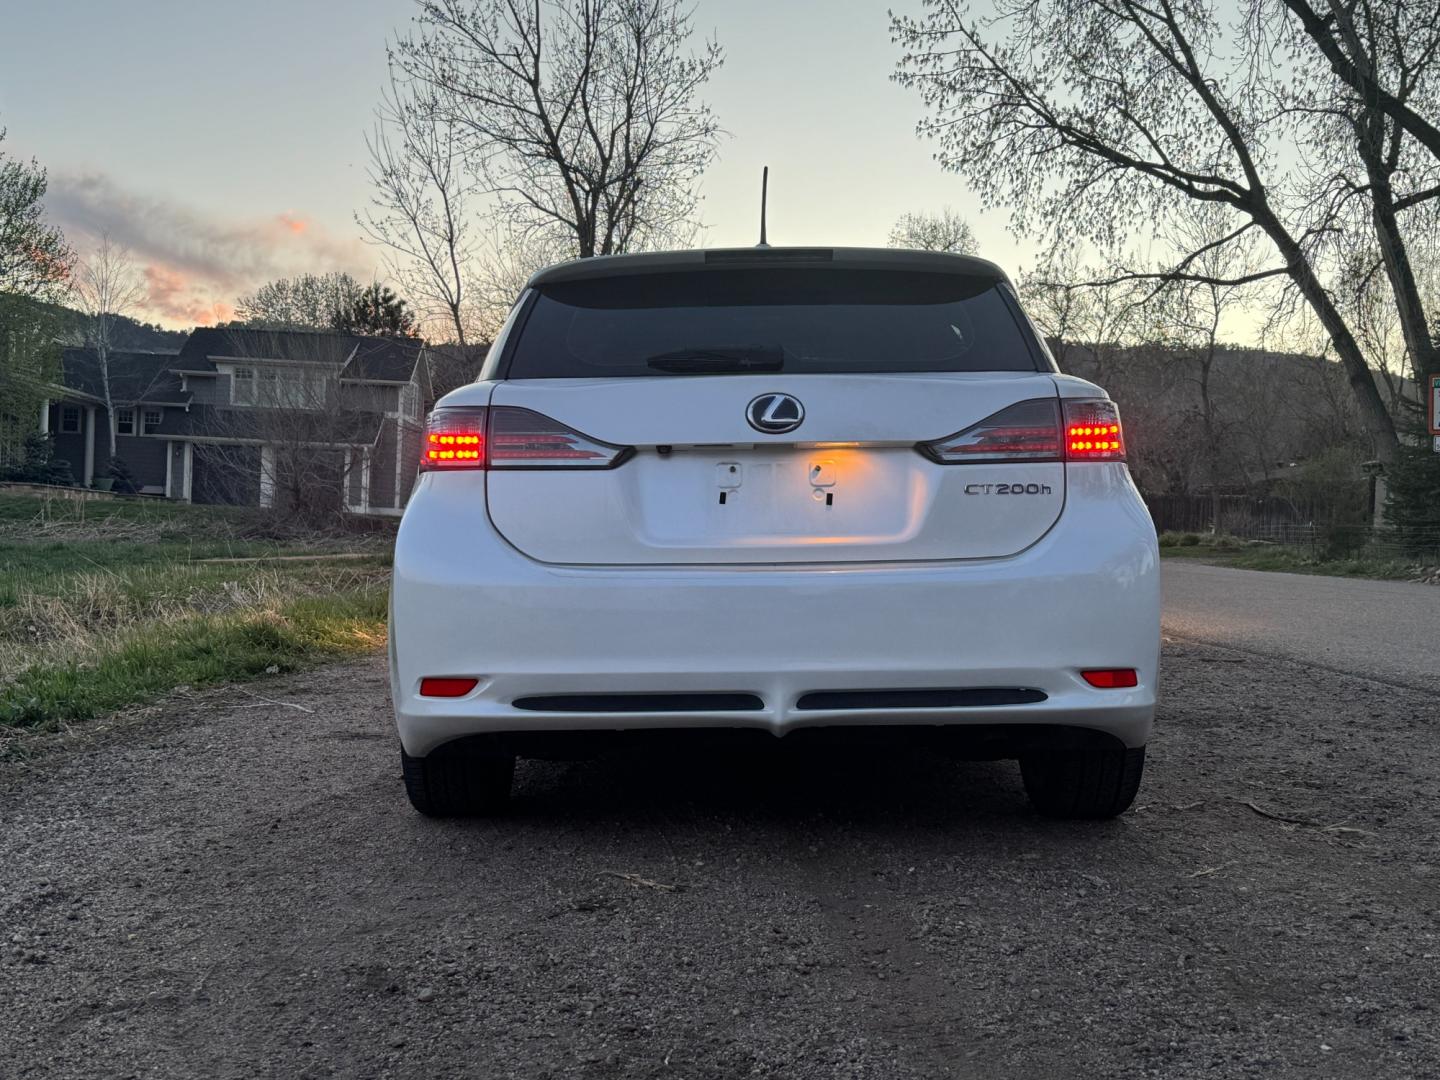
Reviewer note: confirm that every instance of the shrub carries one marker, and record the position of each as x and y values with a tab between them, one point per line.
1338	541
1412	505
123	477
58	472
34	467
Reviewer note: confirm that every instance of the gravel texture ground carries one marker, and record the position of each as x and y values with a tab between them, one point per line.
223	886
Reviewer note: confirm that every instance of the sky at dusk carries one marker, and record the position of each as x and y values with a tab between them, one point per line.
223	143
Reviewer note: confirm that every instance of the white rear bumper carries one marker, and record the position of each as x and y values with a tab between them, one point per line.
465	603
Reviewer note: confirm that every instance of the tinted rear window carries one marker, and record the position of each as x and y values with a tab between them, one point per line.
825	321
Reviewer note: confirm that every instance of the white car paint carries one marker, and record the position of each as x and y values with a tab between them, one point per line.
466	603
639	580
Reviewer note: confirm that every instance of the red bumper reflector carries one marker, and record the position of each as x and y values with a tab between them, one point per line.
1111	678
447	687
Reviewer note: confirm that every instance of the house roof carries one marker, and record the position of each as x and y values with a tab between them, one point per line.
385	359
363	357
134	376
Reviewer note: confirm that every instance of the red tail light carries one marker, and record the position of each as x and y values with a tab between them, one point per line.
522	439
504	437
1032	431
447	687
1111	678
454	439
1093	431
1027	431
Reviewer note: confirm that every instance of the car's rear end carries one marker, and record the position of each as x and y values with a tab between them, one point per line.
775	491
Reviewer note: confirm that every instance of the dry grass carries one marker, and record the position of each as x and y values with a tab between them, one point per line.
87	611
107	604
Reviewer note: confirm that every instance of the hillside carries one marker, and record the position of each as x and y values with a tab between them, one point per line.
130	333
1269	413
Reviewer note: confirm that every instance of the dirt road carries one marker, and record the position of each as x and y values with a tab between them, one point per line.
228	887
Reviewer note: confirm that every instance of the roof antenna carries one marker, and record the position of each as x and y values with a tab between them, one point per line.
764	191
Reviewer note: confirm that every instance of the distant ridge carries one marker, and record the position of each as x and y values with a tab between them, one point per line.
130	334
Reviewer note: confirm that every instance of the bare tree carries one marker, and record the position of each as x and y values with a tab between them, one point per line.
1090	116
579	115
306	302
1368	144
508	258
107	287
1363	292
945	231
1085	321
291	442
1193	314
419	210
1352	36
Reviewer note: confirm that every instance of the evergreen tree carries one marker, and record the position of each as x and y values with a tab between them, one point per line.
1413	502
376	310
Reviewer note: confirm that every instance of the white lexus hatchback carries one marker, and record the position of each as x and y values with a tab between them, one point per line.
775	492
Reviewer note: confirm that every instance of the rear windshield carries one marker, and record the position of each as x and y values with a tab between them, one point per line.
798	321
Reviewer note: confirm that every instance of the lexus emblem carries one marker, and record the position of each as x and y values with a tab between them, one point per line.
775	414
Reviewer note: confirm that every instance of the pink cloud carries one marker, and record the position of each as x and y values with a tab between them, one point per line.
196	265
173	298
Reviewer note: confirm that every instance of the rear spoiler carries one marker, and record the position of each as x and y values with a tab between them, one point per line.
660	262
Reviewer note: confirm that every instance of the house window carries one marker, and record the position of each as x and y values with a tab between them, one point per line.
124	421
152	420
70	420
242	386
280	387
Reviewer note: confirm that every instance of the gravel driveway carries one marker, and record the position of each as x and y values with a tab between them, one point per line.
222	886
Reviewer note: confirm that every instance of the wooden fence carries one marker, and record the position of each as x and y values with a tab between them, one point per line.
1250	517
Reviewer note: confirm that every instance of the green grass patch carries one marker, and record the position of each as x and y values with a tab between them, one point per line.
1257	555
109	603
151	660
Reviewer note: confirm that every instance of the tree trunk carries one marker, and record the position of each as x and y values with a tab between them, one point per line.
1212	448
102	354
1408	304
459	325
1378	422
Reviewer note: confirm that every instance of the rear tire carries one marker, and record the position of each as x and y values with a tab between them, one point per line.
1096	782
459	779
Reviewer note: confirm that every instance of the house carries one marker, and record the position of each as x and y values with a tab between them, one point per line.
251	416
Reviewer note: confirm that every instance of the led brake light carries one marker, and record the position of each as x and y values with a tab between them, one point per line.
1093	431
504	437
454	439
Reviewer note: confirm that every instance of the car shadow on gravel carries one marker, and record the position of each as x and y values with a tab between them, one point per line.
884	790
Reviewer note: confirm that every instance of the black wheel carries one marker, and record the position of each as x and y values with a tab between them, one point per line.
1096	782
460	779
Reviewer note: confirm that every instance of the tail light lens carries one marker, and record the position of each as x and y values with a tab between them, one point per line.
504	437
454	439
521	439
1026	431
1111	678
435	687
1032	431
1093	431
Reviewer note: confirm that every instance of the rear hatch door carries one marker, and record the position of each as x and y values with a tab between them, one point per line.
703	486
